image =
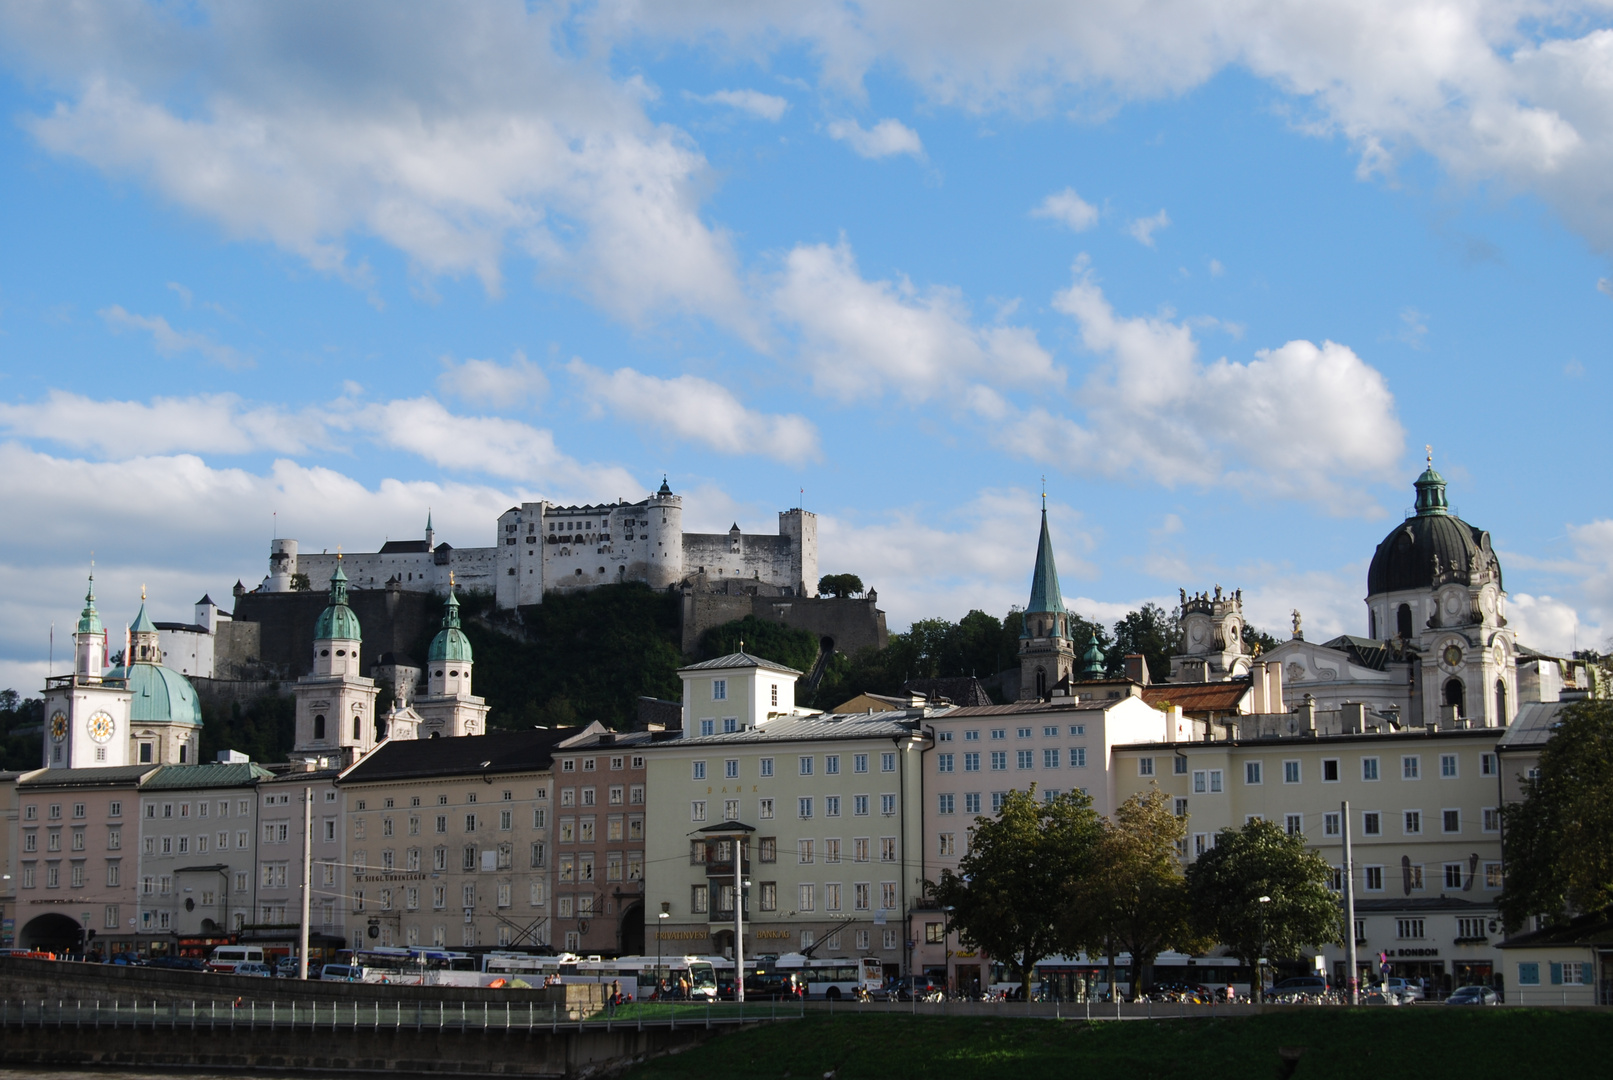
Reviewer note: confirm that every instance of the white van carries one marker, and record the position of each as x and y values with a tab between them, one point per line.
342	973
226	957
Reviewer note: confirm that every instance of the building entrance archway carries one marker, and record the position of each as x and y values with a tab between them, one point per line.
53	932
632	943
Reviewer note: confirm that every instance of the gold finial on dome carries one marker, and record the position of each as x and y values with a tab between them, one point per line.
1430	448
142	592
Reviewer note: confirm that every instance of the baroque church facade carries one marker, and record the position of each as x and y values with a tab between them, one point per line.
1438	649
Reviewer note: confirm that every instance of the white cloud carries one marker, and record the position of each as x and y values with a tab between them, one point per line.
170	342
760	105
204	423
1519	93
492	384
1301	420
1413	328
1069	209
698	410
863	337
453	137
1142	229
1216	269
980	554
884	139
1550	625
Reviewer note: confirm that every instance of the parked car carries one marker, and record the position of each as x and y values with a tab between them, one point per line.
255	969
226	958
342	972
1300	985
286	968
1473	995
919	987
1407	992
177	963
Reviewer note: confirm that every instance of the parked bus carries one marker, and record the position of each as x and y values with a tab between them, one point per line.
834	979
636	975
414	966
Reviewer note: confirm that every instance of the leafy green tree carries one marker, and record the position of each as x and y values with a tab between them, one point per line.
840	585
22	723
1150	631
1135	898
769	640
1225	884
1559	839
263	728
1011	888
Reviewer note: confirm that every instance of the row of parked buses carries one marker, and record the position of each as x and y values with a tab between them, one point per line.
640	977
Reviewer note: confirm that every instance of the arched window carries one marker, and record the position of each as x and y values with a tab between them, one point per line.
1041	682
1456	695
1500	701
1372	625
358	728
1403	621
319	725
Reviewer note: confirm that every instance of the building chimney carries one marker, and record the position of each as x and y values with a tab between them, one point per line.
1137	669
1257	687
1274	688
1352	717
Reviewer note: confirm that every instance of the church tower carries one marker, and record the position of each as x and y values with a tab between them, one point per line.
448	709
336	719
87	712
1046	653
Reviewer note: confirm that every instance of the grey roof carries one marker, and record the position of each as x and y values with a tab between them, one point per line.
738	660
1534	724
884	725
107	777
217	774
466	755
1423	903
295	776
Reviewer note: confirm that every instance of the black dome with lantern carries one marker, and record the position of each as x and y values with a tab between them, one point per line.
1432	547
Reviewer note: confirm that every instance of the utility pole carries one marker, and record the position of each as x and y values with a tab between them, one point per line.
307	878
1349	909
739	917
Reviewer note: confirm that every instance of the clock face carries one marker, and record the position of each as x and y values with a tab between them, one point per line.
58	726
101	726
1453	655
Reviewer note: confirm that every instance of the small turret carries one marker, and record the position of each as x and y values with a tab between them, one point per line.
144	646
89	648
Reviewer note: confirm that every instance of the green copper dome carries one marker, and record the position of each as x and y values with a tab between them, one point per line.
337	622
89	622
450	644
1092	660
161	695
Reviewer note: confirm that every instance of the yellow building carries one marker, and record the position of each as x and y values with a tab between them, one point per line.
824	809
1424	813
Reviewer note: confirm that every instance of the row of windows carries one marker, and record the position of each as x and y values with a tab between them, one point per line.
1052	757
947	801
833	895
582	831
1254	772
805	765
409	897
806	807
541	795
807	850
76	837
182	845
76	874
1049	731
616	762
30	811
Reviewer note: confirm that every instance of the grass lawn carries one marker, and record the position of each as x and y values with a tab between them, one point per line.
1424	1042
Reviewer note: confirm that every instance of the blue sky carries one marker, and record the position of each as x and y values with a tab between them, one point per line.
1217	270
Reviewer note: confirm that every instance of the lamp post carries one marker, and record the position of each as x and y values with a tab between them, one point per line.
661	918
946	943
1260	961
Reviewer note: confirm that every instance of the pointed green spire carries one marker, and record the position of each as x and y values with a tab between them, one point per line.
89	621
337	620
450	642
142	622
1045	581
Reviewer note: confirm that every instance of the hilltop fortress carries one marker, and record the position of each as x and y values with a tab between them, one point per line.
543	547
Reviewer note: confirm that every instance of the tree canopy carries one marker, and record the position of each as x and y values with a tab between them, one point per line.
840	585
1225	884
1014	881
1135	898
1559	839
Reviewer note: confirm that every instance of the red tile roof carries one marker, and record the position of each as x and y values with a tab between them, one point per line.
1197	698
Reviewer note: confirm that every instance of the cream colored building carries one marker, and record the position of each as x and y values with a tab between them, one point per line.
275	899
1424	813
830	808
449	841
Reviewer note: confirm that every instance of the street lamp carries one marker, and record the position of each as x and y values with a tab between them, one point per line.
661	918
946	942
1260	961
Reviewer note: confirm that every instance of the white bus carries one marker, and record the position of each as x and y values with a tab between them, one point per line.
415	966
693	976
837	978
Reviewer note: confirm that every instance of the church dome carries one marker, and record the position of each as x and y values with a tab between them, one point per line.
337	621
161	695
450	644
1432	547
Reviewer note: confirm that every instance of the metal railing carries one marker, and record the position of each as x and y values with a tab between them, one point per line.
239	1014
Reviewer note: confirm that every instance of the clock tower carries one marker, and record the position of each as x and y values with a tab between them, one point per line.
87	712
